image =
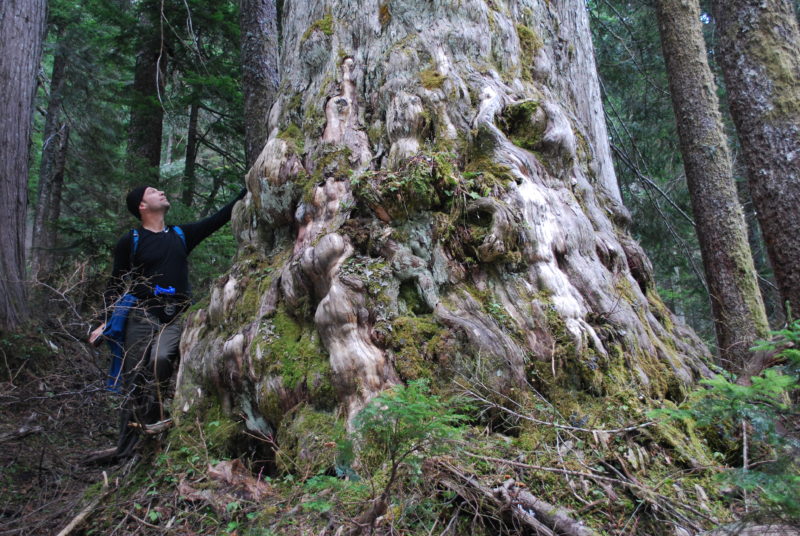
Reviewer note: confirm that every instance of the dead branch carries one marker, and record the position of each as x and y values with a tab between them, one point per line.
518	506
482	399
20	433
645	493
155	428
77	520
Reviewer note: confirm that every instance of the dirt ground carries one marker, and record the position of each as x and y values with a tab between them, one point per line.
54	411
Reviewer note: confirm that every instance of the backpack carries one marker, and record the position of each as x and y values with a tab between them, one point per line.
135	239
115	328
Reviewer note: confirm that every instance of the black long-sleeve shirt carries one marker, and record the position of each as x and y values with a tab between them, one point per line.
161	259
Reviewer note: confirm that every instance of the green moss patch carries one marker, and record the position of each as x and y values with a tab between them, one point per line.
415	342
431	79
294	137
286	348
518	123
324	25
308	441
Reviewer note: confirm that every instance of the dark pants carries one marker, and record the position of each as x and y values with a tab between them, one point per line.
151	352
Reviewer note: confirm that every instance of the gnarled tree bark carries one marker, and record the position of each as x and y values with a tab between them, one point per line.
435	199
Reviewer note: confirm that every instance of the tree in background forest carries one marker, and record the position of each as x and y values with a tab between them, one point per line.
739	315
147	93
648	160
646	154
258	24
759	50
21	31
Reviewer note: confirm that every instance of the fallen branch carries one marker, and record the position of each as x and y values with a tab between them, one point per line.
22	432
518	506
154	428
646	493
78	519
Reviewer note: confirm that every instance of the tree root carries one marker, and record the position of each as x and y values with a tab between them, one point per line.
515	505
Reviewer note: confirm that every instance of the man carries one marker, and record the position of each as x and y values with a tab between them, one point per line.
151	263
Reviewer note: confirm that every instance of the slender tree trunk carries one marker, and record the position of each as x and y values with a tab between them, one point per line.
759	50
54	205
435	200
739	315
21	32
147	112
189	175
258	23
53	143
216	184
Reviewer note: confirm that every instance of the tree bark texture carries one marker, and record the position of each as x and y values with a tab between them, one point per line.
147	113
53	145
739	315
21	32
435	200
258	24
759	50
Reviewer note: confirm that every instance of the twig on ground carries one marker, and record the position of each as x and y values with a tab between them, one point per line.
20	433
77	520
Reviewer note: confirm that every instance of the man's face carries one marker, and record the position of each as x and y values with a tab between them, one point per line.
154	200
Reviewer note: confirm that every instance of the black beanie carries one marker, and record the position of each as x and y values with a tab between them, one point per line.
134	199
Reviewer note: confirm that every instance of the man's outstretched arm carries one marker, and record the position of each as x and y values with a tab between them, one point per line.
198	231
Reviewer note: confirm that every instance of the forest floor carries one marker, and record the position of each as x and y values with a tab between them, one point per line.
54	411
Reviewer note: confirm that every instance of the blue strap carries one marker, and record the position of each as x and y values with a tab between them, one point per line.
134	244
179	232
135	239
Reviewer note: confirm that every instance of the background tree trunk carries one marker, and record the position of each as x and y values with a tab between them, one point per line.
54	143
189	175
147	112
739	315
21	32
435	200
258	23
759	50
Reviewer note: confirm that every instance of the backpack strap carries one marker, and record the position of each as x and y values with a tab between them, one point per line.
180	233
134	244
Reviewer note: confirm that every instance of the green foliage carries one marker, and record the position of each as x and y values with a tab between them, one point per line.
764	411
406	423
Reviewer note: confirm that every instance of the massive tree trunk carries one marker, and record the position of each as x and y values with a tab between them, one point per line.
739	315
759	50
435	200
147	113
258	24
21	32
51	168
